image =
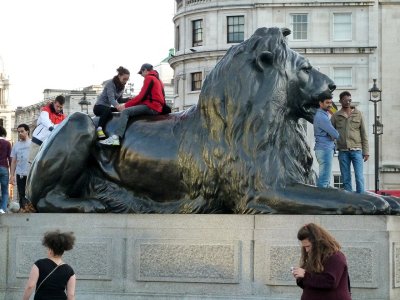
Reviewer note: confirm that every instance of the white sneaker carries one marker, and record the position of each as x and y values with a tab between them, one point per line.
2	211
111	141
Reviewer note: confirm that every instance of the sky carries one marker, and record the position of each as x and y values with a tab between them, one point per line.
71	44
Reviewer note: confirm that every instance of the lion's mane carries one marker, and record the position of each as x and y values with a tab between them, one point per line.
243	126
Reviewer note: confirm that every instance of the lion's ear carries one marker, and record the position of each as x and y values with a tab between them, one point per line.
263	59
285	31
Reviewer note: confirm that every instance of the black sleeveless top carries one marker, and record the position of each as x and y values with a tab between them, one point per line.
53	288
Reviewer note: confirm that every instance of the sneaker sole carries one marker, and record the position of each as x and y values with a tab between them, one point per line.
109	144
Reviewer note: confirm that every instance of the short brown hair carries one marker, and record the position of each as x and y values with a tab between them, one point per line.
3	131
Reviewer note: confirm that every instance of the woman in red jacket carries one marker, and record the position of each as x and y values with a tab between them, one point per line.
150	101
323	270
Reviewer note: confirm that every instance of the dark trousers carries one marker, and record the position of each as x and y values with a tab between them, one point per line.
105	114
21	184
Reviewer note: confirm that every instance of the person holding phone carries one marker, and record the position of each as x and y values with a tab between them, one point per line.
323	272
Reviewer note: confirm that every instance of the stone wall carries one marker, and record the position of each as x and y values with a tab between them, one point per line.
197	256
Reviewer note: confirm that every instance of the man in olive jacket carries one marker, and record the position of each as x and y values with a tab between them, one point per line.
352	143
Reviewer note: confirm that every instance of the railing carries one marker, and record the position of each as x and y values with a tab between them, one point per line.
195	2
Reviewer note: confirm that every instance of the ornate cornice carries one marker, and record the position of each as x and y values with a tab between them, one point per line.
335	50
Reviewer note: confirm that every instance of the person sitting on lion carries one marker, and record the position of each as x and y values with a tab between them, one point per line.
150	101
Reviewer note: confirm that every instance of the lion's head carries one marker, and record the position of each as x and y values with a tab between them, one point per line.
263	74
248	115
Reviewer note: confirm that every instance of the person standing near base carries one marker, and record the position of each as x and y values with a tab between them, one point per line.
352	143
5	162
323	272
51	277
325	135
19	163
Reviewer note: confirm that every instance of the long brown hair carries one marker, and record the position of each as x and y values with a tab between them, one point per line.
323	246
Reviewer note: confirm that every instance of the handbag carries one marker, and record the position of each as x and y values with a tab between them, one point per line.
47	277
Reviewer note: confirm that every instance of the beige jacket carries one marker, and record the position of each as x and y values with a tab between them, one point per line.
351	129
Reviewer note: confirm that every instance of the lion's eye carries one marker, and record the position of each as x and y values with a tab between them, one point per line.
306	70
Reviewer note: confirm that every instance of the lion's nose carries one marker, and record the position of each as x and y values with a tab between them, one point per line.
332	87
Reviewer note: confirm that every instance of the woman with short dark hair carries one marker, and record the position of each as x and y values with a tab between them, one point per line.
323	272
51	276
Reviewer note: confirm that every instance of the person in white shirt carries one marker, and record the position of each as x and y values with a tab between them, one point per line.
19	162
51	115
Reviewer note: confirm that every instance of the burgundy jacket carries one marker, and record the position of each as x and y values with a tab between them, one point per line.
331	284
151	93
5	151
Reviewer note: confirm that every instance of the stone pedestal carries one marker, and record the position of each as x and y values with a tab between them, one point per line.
197	256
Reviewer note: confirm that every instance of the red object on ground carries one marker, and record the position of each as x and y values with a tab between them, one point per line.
395	193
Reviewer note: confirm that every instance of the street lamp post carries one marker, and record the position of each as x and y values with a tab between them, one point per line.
377	128
84	104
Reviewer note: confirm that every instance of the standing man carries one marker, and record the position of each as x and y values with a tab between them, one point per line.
353	142
325	135
19	162
5	162
50	116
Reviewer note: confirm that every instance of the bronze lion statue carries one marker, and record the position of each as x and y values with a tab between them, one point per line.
240	150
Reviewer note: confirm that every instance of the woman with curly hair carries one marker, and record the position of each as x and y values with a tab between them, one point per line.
323	272
53	278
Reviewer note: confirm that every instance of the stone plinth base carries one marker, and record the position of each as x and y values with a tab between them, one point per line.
197	256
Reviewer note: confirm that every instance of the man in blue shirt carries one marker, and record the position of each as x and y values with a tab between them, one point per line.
325	135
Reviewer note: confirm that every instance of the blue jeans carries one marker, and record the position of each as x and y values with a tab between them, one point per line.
324	158
4	177
137	110
345	160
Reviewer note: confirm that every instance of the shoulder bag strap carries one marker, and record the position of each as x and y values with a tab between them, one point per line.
150	87
47	277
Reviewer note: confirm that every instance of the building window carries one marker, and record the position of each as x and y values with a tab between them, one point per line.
342	29
2	122
177	38
337	181
342	77
197	37
235	29
300	26
196	81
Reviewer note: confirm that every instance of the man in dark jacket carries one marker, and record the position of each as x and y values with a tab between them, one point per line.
150	101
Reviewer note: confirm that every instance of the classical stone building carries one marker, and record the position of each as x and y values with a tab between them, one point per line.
167	77
353	42
6	111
